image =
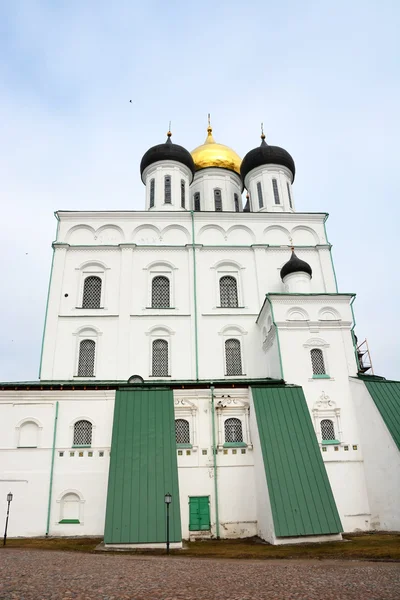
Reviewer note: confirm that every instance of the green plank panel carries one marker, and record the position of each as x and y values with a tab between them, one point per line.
143	468
386	395
301	498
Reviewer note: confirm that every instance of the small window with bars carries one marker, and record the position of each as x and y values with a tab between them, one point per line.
233	357
160	358
182	431
260	195
91	292
160	292
276	191
236	202
233	430
167	189
183	193
196	199
228	292
317	361
87	350
152	191
218	200
289	195
327	430
82	433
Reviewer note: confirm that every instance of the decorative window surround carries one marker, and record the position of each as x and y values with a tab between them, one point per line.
318	344
160	269
86	333
325	408
72	432
231	269
230	407
159	333
91	269
64	511
34	437
185	409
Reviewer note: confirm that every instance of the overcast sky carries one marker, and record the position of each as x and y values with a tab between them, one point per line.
322	76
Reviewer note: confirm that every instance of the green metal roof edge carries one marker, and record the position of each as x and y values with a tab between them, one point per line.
386	397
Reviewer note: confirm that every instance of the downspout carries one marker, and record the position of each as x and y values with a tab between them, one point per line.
196	340
353	334
277	335
52	470
330	253
48	296
214	451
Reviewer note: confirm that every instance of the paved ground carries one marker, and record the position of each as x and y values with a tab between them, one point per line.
44	575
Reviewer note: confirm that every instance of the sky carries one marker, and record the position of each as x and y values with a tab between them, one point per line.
323	77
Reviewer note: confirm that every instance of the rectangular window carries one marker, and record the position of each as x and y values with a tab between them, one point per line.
236	200
276	191
152	190
218	200
260	195
167	189
183	194
197	201
289	195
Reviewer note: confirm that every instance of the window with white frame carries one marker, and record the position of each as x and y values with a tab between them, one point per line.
196	201
327	430
276	191
167	189
87	354
28	434
260	195
82	433
327	420
160	292
228	292
91	297
233	430
152	192
233	357
182	431
160	358
317	361
183	193
217	200
236	202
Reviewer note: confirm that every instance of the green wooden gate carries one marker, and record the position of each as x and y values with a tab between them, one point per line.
199	513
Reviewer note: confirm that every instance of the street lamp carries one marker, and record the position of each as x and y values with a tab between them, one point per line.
167	500
9	498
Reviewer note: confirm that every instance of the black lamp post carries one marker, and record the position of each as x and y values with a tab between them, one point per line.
167	500
9	498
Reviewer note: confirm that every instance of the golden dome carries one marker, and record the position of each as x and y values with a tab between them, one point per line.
211	154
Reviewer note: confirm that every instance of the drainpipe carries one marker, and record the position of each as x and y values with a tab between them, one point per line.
353	334
196	341
330	253
277	336
214	451
52	470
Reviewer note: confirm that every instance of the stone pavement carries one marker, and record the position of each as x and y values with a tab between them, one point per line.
44	575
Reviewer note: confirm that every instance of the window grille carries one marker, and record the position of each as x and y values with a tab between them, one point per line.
233	430
160	358
183	194
327	430
87	350
233	358
218	200
182	431
91	292
276	191
228	292
197	201
236	201
160	292
167	189
82	433
260	195
289	195
152	191
317	361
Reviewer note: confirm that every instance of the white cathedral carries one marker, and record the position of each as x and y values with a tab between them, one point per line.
200	348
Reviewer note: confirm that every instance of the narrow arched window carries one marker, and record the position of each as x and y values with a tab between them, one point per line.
233	357
182	431
183	193
152	191
260	195
218	200
276	191
82	433
87	350
70	508
160	358
233	430
317	361
167	189
236	202
289	195
327	430
160	296
196	198
228	292
91	292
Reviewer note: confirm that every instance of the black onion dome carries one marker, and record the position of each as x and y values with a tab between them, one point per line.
266	155
295	265
167	151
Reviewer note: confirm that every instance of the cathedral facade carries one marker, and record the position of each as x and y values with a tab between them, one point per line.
200	348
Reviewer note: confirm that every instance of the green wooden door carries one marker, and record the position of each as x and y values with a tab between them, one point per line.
199	513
